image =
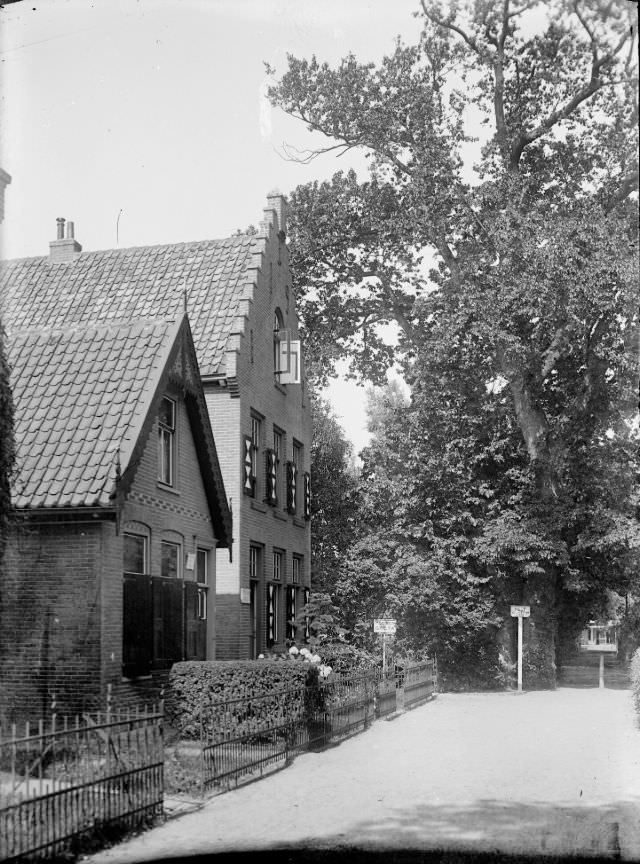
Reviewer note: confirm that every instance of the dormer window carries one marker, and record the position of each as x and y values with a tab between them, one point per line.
166	441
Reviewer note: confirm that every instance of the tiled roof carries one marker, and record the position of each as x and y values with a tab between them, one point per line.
144	282
79	395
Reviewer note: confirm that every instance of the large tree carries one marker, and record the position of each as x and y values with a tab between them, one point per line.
333	512
532	285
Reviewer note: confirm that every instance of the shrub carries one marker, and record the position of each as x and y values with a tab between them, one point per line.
634	672
218	698
347	658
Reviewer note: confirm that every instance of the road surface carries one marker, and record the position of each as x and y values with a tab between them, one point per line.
544	773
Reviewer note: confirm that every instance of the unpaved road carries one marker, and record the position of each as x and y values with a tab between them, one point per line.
536	773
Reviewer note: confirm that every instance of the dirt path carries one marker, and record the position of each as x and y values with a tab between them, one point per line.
536	773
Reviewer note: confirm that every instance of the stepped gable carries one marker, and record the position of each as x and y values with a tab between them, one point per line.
81	395
141	282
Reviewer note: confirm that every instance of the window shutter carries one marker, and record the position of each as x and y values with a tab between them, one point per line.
137	626
291	487
271	612
307	496
249	483
272	490
291	612
167	621
195	629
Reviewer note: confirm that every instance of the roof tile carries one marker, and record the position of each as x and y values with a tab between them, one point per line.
66	445
133	283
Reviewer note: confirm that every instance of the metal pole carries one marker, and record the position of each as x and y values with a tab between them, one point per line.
519	653
601	676
384	653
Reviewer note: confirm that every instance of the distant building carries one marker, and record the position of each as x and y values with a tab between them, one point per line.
237	293
109	575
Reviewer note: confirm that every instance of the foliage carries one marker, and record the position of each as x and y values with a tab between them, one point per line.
333	480
7	444
513	285
635	679
198	691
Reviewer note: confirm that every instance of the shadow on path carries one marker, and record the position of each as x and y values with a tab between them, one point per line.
485	831
531	828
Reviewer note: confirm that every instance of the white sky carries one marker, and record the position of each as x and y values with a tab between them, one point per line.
155	112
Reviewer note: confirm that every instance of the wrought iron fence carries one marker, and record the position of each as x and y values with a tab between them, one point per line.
419	682
243	738
75	777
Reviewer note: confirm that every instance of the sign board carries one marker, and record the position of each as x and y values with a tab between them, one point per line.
521	611
245	595
384	625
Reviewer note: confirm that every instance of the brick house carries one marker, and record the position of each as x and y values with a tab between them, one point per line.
120	508
237	292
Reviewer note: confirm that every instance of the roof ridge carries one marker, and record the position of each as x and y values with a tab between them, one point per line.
120	250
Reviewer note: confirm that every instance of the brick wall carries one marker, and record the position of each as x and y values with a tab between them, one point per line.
283	406
61	596
49	620
180	515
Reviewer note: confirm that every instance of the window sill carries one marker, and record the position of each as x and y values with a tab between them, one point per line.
279	514
280	387
134	678
165	488
301	523
256	505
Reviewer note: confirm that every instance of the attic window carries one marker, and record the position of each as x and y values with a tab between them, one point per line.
166	441
286	353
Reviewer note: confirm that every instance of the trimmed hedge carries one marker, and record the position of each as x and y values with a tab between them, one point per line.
218	698
634	673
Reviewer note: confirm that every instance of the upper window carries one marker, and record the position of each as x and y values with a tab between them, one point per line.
254	562
278	329
166	441
297	567
278	558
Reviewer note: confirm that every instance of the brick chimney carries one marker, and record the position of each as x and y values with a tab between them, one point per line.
278	204
64	247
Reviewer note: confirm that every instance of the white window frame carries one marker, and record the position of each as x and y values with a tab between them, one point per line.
167	436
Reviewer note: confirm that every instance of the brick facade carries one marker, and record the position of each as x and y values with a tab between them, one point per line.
255	392
61	606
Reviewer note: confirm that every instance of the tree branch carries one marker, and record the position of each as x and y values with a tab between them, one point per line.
553	352
628	184
449	25
563	113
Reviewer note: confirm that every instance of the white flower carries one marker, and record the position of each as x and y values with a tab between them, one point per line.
293	650
315	658
305	652
325	671
260	656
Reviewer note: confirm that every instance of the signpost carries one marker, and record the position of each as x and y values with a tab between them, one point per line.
520	612
386	626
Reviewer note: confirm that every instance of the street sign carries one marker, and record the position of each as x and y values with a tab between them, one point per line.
384	625
520	612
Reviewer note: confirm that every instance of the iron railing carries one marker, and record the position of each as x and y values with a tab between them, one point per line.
243	738
65	782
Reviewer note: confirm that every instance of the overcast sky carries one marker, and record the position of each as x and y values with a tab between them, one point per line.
145	121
